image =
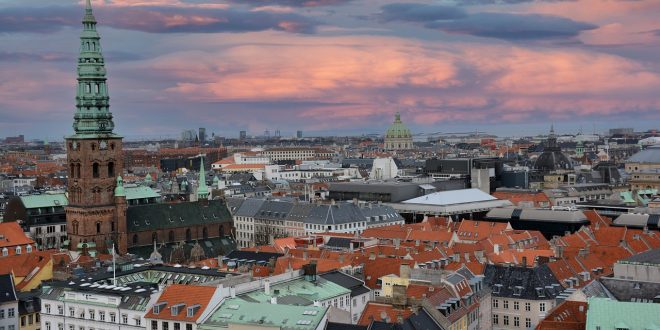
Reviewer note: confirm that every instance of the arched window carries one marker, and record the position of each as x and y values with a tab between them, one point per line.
72	171
75	227
95	170
154	237
77	170
111	170
88	88
135	239
205	233
98	227
171	236
87	45
188	235
18	250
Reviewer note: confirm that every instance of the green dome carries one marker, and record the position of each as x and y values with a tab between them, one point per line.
398	129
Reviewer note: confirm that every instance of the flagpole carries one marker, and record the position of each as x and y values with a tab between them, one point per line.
114	266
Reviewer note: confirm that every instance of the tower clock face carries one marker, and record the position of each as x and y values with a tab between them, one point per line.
103	145
74	145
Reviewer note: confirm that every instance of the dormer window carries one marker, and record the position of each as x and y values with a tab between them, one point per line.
159	307
540	292
192	310
497	288
517	291
176	309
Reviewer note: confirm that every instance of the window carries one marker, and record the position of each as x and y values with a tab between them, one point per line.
124	318
102	316
23	321
506	304
188	326
528	307
72	312
138	321
91	314
18	250
516	321
528	322
60	326
542	307
154	325
111	170
113	317
95	170
47	308
496	303
171	236
165	325
177	326
505	320
516	305
47	325
135	239
496	319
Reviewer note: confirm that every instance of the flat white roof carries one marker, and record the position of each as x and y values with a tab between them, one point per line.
452	197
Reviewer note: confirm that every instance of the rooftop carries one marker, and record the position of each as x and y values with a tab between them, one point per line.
298	292
610	314
287	317
450	197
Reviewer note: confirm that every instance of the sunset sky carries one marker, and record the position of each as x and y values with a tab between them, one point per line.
509	67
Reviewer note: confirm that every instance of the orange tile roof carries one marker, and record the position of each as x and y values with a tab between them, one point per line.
537	198
477	230
375	312
187	295
12	236
569	315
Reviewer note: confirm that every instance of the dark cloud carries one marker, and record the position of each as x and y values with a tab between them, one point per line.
292	3
513	26
155	20
418	12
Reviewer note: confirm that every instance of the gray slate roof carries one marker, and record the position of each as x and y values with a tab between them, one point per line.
164	216
536	283
648	155
249	207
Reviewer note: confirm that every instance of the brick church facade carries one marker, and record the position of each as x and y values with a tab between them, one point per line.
97	215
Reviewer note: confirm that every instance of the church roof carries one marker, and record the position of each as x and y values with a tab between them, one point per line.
398	129
164	216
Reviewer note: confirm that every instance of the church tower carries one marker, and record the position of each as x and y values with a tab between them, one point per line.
94	154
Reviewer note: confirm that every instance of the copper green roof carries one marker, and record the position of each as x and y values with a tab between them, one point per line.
607	314
398	129
119	190
298	292
45	200
139	192
286	317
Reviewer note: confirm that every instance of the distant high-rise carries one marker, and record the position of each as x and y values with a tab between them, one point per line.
242	135
188	135
202	135
299	134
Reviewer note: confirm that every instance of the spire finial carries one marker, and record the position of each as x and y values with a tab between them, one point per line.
88	5
397	117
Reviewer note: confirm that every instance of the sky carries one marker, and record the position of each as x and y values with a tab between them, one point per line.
507	67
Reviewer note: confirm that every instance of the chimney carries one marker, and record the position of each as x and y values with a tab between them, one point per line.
267	287
524	261
417	242
383	316
404	271
317	303
397	243
220	261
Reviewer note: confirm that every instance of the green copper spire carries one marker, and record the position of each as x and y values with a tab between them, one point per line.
92	117
202	190
119	190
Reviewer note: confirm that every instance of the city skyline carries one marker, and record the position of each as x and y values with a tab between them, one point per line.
337	67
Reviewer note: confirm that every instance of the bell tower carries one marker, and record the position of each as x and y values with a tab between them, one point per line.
94	153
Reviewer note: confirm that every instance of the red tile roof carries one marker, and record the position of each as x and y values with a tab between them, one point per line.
187	295
375	312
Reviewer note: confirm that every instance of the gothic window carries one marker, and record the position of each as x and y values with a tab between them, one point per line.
72	171
87	45
188	235
112	146
112	226
77	170
111	169
135	239
154	237
98	227
93	146
171	236
95	169
75	227
205	233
